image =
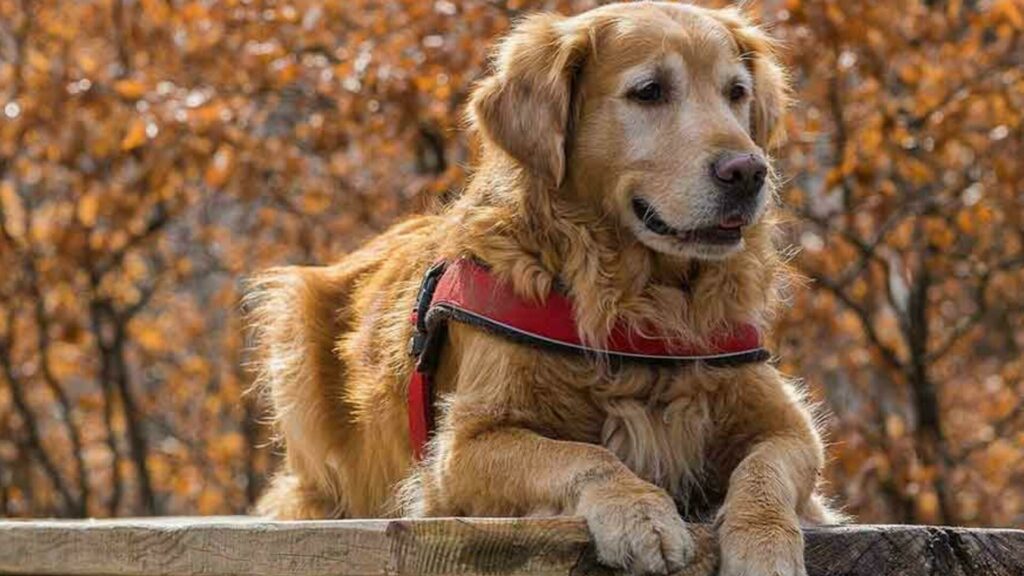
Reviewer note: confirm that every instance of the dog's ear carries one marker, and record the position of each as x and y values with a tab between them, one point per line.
524	107
771	85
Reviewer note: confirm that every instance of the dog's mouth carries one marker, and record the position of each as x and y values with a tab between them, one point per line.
728	231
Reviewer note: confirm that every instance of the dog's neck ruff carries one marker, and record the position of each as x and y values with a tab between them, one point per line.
467	292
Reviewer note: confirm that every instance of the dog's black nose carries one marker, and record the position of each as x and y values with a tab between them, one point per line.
740	174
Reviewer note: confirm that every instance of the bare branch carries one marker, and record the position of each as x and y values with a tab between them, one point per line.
66	411
31	424
157	222
43	346
864	316
968	323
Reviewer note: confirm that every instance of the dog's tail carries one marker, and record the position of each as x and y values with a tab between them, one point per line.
294	315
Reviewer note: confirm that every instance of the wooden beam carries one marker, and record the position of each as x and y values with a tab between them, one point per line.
229	546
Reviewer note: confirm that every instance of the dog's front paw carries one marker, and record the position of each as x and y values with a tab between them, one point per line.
637	528
761	548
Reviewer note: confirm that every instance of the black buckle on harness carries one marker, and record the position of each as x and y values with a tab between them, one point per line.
418	342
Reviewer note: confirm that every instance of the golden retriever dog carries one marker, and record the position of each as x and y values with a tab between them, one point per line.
623	163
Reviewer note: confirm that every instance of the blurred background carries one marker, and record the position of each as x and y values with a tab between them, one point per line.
153	153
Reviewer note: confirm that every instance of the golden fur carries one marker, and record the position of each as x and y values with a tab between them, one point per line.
528	433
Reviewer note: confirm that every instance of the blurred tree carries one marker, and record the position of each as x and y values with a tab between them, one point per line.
153	153
906	175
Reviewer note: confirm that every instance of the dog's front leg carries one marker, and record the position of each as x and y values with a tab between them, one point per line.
758	526
514	471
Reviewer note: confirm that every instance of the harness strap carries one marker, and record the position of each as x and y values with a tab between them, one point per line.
465	291
420	411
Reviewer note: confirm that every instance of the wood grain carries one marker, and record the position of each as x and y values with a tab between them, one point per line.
452	546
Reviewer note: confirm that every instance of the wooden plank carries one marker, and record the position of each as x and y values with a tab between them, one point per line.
455	546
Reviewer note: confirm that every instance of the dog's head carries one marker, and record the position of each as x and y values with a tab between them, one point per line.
657	114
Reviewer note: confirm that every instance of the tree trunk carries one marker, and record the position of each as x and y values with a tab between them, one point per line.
928	432
137	443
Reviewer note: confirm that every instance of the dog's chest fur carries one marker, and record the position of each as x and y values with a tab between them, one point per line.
659	423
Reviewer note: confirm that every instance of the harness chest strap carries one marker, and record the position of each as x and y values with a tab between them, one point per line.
465	291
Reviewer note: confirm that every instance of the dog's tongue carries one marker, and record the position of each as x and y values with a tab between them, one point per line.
731	222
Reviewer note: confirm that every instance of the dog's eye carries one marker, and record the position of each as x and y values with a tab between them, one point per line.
737	93
647	93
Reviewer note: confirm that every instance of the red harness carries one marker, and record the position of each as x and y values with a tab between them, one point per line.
467	292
